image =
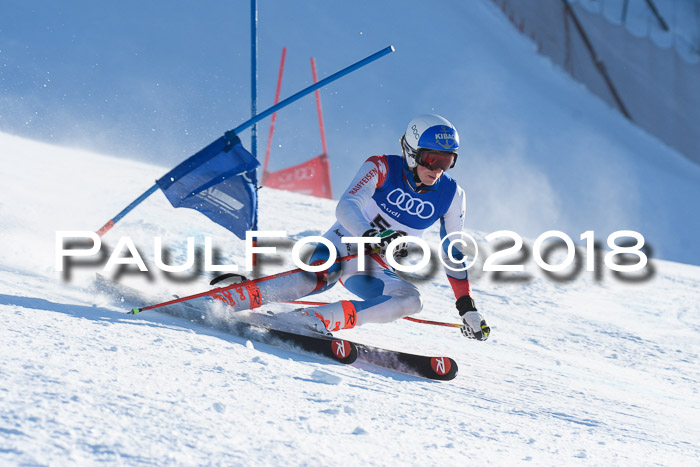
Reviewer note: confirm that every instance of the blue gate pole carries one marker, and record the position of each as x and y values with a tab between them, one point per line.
254	74
253	107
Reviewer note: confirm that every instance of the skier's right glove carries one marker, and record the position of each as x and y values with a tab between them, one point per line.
473	325
385	237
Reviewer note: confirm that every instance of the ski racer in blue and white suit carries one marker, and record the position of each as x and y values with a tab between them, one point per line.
394	196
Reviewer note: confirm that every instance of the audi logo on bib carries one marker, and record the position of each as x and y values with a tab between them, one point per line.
411	205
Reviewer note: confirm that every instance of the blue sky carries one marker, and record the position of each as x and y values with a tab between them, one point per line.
156	81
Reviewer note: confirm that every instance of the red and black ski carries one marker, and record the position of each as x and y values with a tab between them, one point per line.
345	351
439	368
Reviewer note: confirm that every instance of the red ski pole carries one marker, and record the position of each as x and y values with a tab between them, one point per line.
135	311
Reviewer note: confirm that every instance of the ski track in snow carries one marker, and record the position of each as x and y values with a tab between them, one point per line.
601	372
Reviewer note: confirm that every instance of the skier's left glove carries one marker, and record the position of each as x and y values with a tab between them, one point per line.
473	325
385	237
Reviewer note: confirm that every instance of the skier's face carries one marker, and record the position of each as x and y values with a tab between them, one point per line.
427	176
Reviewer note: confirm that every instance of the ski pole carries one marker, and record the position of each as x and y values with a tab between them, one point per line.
135	311
435	323
407	318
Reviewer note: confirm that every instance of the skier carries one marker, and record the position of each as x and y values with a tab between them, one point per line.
393	196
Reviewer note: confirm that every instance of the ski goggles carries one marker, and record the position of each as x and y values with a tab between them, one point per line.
433	160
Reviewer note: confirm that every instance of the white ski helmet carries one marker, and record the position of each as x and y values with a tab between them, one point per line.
429	132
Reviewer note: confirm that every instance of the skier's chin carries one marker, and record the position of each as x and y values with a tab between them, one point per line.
428	177
430	180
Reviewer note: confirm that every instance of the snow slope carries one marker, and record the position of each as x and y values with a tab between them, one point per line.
580	372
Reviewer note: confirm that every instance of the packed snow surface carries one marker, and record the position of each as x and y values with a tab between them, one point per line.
596	369
590	371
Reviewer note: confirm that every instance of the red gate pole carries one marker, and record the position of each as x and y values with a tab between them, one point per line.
324	157
274	115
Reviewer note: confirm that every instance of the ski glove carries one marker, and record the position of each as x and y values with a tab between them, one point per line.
473	325
385	237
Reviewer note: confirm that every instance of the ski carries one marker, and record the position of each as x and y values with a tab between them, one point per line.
438	368
346	351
